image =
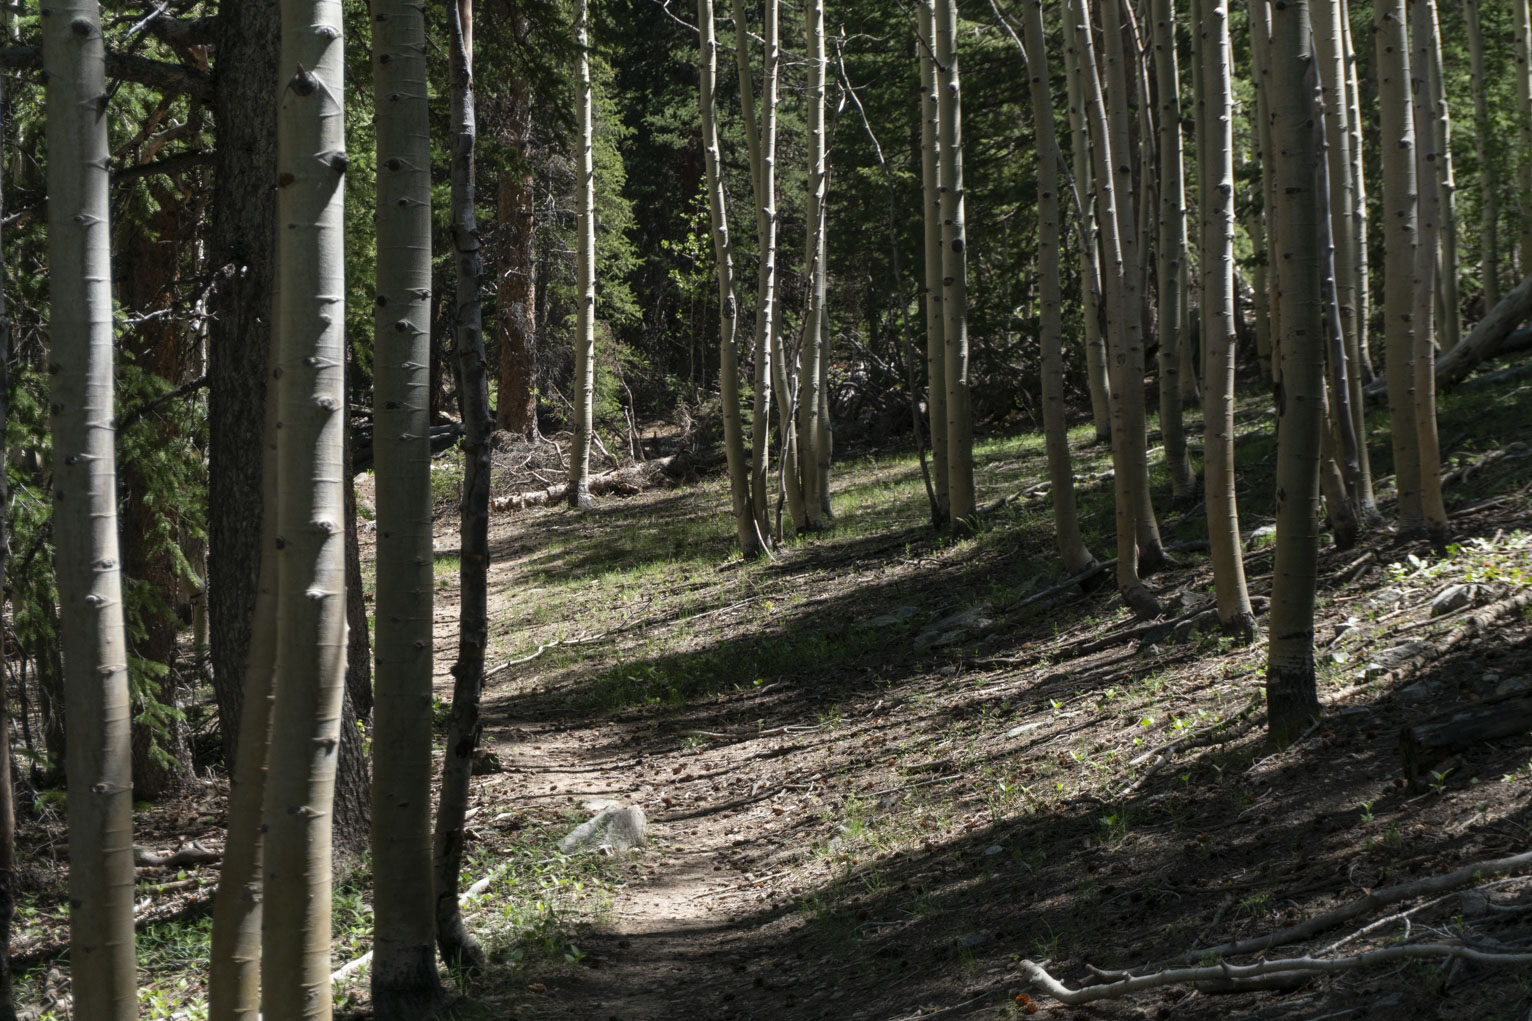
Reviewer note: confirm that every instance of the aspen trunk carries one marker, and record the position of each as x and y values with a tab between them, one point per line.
453	940
1096	364
1359	182
585	275
1130	361
1072	549
1400	205
960	485
811	403
99	754
7	801
1291	694
763	181
515	293
234	980
310	666
1216	196
1428	237
728	302
1522	75
1449	325
1489	191
936	346
1260	57
1330	37
404	979
1171	281
1125	341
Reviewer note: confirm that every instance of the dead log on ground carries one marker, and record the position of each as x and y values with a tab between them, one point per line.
1425	744
634	478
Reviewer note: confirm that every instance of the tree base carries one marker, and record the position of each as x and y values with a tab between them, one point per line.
1292	701
1141	601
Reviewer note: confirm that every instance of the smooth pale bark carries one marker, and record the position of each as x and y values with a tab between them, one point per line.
936	346
1330	38
1399	216
960	485
1521	74
762	142
1428	235
1216	177
7	801
1116	83
1291	695
1489	184
585	274
457	946
404	979
1125	336
1096	364
1172	262
234	981
1072	549
1260	56
1449	326
811	353
98	760
310	669
1359	182
728	302
1340	467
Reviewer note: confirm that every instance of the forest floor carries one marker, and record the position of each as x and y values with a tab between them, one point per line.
883	767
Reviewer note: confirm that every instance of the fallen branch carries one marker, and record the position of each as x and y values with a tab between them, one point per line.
1374	900
1472	626
542	649
191	854
1243	977
629	480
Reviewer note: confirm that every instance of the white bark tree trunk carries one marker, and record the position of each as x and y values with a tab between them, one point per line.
310	669
585	274
98	759
404	979
936	345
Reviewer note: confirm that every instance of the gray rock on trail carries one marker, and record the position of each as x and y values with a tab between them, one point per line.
954	629
613	830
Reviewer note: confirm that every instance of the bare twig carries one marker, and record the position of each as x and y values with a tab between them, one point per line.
1236	976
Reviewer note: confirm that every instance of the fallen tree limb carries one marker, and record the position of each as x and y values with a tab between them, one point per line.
1423	745
191	854
1247	977
1374	900
629	480
1472	626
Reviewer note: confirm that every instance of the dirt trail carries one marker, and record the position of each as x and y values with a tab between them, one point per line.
872	788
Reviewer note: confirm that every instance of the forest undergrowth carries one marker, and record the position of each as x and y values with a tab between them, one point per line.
882	767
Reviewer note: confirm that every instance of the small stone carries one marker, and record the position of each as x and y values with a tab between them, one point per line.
976	938
993	849
1452	598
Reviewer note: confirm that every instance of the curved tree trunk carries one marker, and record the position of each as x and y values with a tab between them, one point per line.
1449	325
1216	178
1291	695
728	302
1072	549
405	985
960	486
936	345
99	757
310	671
456	944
